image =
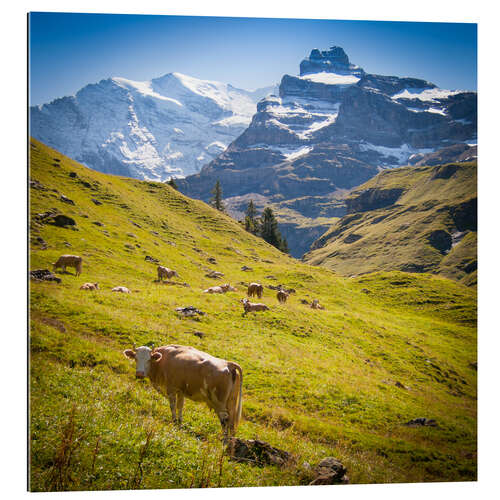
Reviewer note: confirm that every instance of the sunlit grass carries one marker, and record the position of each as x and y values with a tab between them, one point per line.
316	383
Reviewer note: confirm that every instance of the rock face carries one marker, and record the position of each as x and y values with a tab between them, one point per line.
168	126
334	127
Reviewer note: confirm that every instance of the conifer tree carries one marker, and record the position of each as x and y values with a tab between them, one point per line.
171	182
251	222
216	200
284	246
269	228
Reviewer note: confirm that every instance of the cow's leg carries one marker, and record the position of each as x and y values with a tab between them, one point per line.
180	406
224	421
172	400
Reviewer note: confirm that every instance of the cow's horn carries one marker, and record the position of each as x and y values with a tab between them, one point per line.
133	346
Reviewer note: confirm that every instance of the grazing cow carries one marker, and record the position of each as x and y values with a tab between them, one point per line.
71	261
282	296
178	371
253	306
90	286
255	289
166	272
316	305
226	287
122	289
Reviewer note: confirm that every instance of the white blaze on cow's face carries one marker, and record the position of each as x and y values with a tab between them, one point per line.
143	358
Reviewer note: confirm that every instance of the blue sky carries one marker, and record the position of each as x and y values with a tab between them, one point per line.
67	51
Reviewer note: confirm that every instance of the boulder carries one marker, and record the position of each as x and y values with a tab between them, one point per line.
44	275
330	471
256	452
189	311
421	421
66	200
61	220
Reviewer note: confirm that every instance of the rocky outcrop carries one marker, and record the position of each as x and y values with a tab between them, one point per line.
372	199
455	153
330	471
334	60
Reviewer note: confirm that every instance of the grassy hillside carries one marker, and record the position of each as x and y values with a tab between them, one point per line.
417	219
342	382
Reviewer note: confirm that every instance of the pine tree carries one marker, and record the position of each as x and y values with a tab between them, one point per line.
269	228
284	246
216	200
171	182
251	222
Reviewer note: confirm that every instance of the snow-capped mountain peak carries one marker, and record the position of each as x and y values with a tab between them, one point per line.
154	129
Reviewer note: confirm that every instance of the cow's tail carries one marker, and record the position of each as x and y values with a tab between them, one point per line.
237	373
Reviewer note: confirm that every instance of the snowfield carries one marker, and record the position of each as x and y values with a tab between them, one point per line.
168	126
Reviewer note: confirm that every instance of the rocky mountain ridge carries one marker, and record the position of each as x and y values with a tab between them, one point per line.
168	126
334	127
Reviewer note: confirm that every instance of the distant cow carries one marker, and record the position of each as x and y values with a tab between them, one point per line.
255	289
69	260
165	272
253	306
316	305
226	287
90	286
122	289
182	371
282	296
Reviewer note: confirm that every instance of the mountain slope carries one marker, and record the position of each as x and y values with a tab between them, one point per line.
171	125
343	381
334	127
417	219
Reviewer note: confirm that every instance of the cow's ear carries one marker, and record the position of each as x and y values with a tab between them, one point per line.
156	356
129	353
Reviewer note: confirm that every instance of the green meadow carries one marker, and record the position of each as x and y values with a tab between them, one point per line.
388	347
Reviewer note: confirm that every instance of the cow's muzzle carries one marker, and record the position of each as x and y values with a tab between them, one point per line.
139	374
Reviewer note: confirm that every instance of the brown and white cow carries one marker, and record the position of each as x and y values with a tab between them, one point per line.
282	296
226	287
253	306
178	371
90	286
69	260
255	289
165	272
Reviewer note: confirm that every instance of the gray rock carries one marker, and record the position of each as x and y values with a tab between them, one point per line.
330	471
61	220
256	452
421	422
44	275
66	200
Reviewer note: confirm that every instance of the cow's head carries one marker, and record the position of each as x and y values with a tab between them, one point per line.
96	286
143	358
